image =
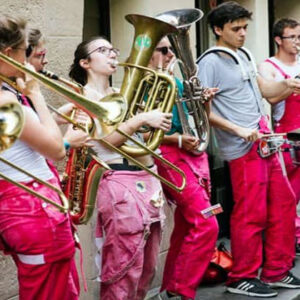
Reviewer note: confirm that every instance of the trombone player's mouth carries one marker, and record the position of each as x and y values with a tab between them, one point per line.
113	63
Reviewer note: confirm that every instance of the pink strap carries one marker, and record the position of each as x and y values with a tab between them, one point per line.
278	68
81	266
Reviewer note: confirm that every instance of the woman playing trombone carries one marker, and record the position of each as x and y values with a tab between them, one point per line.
129	222
34	232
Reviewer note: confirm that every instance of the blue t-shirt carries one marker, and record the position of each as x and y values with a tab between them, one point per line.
176	124
235	100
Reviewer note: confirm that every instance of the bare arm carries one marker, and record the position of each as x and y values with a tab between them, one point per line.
155	119
275	91
247	134
268	72
43	134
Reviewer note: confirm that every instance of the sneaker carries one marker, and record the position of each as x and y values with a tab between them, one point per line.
290	281
164	296
251	287
297	249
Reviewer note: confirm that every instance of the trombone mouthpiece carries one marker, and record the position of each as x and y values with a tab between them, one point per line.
114	63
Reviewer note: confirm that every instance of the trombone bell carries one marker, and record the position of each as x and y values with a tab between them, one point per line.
11	124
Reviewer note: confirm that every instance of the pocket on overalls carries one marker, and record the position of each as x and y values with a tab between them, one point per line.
128	216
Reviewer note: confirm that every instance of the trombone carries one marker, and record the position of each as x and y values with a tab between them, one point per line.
106	113
11	125
116	102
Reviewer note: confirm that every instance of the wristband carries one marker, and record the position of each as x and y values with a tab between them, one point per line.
67	144
180	141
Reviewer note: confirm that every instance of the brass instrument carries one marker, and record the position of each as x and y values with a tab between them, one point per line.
11	125
115	100
83	170
143	88
81	178
107	113
140	82
194	96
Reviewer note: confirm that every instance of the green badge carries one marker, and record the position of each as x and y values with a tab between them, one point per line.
140	186
142	42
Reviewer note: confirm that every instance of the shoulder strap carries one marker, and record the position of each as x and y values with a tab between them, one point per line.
278	68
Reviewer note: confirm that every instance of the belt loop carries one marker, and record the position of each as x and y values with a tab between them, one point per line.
125	162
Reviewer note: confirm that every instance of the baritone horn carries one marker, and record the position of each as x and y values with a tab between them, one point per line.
107	113
141	83
143	88
11	125
197	124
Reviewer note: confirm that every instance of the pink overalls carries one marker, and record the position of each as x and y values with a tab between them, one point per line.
263	202
193	239
131	227
40	240
290	121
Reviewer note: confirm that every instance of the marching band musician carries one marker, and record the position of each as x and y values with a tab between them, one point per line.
194	236
34	232
36	52
285	64
263	198
129	226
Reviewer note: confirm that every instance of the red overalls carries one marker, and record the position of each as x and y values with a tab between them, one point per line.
263	202
39	237
290	121
194	237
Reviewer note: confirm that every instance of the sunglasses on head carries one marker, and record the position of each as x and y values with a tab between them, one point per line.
164	50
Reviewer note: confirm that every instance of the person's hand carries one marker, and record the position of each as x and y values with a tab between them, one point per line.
190	143
66	110
294	84
27	85
249	135
77	138
157	119
209	93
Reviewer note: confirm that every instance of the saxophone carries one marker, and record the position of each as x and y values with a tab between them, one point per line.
81	178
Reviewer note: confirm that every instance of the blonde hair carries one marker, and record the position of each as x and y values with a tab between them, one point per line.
12	31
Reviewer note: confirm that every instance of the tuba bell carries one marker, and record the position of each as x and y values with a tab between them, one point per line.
143	88
194	98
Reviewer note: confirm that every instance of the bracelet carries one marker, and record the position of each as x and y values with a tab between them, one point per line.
180	141
67	144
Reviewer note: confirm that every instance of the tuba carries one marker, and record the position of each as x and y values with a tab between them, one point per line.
143	88
194	98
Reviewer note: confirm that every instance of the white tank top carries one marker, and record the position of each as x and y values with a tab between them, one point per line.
23	156
102	152
279	108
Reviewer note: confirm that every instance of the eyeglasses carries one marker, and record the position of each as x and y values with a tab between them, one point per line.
164	50
105	51
40	54
293	38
